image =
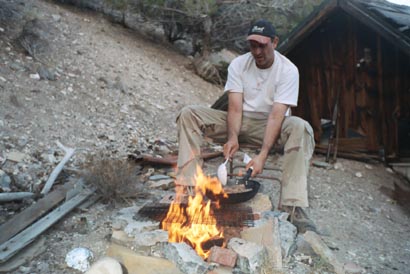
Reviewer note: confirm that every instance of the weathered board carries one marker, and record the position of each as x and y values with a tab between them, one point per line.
12	246
32	213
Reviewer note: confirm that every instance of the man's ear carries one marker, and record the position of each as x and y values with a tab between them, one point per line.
275	42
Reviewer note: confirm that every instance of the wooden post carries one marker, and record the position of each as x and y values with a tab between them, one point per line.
381	112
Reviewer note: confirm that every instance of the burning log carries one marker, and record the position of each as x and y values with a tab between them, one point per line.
214	241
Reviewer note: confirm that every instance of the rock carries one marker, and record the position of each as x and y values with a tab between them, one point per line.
222	58
284	216
119	85
35	39
260	203
221	270
56	17
185	258
105	265
4	182
322	164
22	141
323	250
158	177
118	224
184	46
301	268
22	180
222	256
338	166
16	156
206	70
161	184
352	268
162	150
303	247
133	227
306	259
35	76
46	73
43	267
17	66
151	238
24	269
287	232
266	233
79	258
49	158
252	258
358	174
135	263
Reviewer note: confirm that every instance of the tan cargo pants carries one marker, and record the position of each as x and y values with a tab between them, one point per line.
196	122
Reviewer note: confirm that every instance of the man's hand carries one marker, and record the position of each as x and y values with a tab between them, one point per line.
258	162
231	147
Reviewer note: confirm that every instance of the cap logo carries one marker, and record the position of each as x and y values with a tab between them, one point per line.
258	29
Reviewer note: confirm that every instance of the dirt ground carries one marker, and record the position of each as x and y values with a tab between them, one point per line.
116	91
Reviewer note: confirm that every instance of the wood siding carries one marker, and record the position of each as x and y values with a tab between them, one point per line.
373	76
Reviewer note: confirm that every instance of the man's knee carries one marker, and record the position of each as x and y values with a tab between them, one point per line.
299	133
185	112
298	126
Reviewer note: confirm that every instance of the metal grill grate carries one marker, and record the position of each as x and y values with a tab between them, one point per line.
228	215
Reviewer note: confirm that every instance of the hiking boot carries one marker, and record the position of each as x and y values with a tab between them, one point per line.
299	218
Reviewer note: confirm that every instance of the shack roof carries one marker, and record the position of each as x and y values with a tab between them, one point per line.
390	20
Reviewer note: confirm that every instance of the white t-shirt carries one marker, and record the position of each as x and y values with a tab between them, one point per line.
262	87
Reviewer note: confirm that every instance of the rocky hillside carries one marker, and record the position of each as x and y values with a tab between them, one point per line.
87	83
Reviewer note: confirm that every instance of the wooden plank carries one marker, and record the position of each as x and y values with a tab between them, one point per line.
382	128
170	160
32	213
350	154
12	246
25	256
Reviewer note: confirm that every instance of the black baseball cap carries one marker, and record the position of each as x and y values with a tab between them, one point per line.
261	31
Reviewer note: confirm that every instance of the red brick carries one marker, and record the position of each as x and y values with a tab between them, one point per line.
223	256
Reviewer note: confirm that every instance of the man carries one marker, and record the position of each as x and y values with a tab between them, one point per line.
262	86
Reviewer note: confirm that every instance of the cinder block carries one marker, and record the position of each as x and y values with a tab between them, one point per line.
223	256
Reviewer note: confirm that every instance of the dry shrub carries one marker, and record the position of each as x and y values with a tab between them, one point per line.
114	179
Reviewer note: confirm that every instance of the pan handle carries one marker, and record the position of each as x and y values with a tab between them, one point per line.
245	178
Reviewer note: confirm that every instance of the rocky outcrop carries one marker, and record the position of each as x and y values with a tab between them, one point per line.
229	23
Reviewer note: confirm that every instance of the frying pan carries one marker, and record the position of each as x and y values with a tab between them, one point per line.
238	197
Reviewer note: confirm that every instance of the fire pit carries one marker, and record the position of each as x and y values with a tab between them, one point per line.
200	221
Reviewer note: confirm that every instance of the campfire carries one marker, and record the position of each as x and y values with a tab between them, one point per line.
194	223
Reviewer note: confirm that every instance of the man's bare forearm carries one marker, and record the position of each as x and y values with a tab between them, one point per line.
273	128
234	119
234	124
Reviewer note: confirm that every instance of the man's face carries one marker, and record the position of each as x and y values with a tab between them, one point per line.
263	53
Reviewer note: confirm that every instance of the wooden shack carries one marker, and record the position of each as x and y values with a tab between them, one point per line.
355	54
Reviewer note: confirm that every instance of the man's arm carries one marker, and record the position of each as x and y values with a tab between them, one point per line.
272	131
234	122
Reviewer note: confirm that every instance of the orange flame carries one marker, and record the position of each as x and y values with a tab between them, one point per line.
194	224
